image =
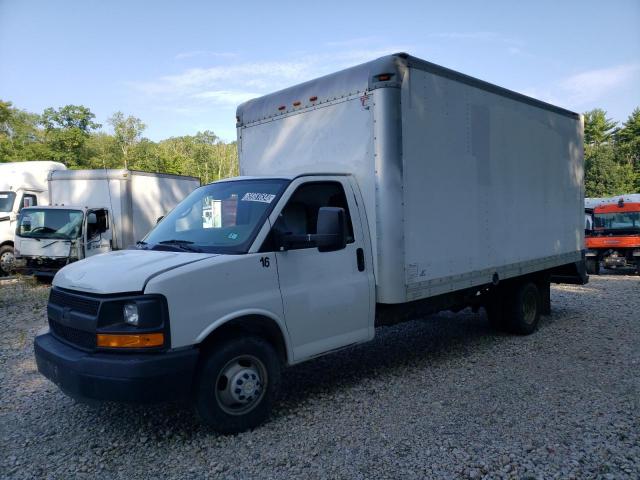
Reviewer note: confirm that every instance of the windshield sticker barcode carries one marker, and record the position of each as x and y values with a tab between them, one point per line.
258	197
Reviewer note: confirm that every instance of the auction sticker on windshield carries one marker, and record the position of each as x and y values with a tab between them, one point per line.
258	197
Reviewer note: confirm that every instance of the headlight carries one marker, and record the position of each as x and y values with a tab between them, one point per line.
130	311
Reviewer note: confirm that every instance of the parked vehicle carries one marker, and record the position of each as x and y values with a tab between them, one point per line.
21	184
593	202
377	194
615	237
93	212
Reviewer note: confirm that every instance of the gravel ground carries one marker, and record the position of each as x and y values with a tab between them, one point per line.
441	398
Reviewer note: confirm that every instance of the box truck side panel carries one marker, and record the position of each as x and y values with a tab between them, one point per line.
492	184
334	137
153	196
75	189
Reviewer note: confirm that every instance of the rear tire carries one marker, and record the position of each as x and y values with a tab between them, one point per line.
524	309
593	266
6	260
237	384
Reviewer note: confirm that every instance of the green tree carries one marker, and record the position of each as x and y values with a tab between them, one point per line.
603	175
628	144
66	132
20	136
598	129
128	132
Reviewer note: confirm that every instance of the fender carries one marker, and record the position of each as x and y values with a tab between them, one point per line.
211	328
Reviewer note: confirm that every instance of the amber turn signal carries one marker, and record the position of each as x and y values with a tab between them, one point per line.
141	340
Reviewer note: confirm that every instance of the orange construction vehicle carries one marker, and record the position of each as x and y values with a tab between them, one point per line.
615	237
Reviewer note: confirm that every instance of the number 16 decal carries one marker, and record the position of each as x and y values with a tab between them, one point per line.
265	262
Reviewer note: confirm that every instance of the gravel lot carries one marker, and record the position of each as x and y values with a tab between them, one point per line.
440	398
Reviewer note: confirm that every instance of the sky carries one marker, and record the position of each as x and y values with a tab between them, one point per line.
184	66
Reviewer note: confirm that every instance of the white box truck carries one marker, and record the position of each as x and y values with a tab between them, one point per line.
21	184
376	194
93	212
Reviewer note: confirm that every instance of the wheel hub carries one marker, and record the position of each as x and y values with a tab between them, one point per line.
6	261
245	385
241	385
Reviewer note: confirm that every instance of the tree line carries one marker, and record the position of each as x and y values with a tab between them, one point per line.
611	154
71	135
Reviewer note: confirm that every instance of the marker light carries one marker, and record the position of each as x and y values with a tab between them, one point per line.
313	99
130	312
281	107
383	77
296	103
142	340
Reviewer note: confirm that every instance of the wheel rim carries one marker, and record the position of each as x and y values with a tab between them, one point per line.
6	261
529	307
241	385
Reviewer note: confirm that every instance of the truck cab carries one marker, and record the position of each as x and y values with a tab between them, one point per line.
22	184
615	237
283	259
48	238
11	203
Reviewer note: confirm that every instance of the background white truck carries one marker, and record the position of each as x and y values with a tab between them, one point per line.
92	212
21	184
380	193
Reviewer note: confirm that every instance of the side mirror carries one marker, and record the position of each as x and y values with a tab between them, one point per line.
26	224
331	229
159	219
92	219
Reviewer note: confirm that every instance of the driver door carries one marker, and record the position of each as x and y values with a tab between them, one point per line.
98	235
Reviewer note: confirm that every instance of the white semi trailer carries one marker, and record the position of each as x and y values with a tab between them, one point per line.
93	212
380	193
21	184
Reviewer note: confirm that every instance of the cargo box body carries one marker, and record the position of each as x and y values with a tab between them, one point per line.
464	182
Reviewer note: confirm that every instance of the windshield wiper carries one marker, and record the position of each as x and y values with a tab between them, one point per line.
183	244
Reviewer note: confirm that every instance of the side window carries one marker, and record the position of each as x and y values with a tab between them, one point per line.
101	225
300	215
28	200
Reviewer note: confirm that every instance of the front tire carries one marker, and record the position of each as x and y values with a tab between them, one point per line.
6	259
237	384
593	266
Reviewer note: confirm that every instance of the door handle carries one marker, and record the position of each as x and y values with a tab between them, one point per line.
360	259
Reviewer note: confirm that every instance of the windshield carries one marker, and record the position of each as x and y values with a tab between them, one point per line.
6	201
222	217
617	221
50	223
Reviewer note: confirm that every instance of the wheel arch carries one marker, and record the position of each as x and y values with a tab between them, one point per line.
253	322
7	243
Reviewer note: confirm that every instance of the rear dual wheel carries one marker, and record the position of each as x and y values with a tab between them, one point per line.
516	309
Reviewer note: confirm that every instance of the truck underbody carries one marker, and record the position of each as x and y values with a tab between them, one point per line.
482	295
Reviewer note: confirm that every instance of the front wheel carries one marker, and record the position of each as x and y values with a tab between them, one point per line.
6	259
237	384
593	266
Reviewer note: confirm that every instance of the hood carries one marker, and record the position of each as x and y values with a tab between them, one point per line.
122	271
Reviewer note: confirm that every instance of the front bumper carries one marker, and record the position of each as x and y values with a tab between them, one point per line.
120	377
40	267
